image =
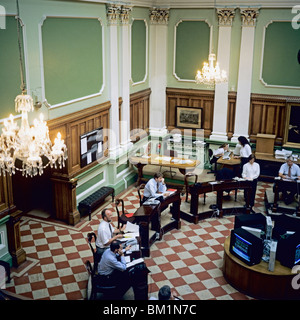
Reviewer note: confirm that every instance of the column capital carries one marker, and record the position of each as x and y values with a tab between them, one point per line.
124	15
225	16
112	13
159	16
249	16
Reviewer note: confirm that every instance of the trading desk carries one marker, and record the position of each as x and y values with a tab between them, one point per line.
219	187
145	215
183	165
279	184
232	163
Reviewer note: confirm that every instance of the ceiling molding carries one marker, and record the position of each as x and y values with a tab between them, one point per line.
200	3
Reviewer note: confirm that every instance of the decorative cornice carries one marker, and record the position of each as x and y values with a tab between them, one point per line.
225	16
159	16
249	17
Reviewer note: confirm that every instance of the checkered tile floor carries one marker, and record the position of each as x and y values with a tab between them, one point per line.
189	260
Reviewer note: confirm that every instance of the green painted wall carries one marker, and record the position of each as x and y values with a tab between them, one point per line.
9	67
72	58
138	13
192	48
176	15
280	56
264	20
138	50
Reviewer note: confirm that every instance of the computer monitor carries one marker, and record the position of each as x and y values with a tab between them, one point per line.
245	246
288	250
255	220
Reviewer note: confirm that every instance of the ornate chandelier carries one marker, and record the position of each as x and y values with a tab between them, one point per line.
28	144
210	74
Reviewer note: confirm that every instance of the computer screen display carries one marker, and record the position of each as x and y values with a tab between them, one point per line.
297	254
241	247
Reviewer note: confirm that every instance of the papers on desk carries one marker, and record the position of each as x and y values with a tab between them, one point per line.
182	161
145	156
282	154
131	227
134	262
238	179
171	191
163	159
151	202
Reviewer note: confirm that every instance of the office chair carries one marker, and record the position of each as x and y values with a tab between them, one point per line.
139	188
123	217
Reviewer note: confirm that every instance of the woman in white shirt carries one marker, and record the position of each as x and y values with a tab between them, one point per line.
251	171
245	150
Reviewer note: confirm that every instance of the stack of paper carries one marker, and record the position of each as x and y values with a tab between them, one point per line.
134	262
282	154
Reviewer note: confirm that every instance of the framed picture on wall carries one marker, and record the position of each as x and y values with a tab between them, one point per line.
292	126
188	117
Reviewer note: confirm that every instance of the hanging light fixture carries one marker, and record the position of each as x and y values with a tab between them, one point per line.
211	72
28	144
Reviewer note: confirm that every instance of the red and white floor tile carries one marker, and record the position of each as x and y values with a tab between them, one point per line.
189	260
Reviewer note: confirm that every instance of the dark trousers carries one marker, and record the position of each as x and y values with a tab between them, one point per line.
252	192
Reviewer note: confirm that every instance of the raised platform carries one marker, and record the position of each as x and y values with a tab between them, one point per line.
257	281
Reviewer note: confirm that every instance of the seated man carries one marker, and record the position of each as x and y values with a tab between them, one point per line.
155	188
111	268
289	171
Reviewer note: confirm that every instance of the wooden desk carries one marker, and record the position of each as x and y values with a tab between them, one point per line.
257	281
269	166
231	163
157	160
280	184
219	187
151	214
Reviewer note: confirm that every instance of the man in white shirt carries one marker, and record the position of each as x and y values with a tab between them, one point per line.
155	188
289	171
106	233
251	171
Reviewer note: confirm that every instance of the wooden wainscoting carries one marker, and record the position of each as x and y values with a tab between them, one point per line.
64	183
190	98
267	115
71	126
139	112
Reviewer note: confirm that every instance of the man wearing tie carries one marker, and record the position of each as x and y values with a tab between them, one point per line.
289	171
155	188
106	233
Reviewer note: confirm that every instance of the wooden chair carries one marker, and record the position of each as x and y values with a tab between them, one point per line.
122	215
187	185
96	256
139	188
94	285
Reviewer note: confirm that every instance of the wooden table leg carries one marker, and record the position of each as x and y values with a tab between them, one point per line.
140	167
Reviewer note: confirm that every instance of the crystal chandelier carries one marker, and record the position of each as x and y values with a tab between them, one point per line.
210	74
28	144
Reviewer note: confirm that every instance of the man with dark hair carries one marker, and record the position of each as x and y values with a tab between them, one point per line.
164	293
155	187
111	268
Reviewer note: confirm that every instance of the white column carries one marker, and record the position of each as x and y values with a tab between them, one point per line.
158	70
114	132
241	124
125	89
225	17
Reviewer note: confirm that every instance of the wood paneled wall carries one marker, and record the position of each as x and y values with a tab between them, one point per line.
190	98
139	111
267	112
73	125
